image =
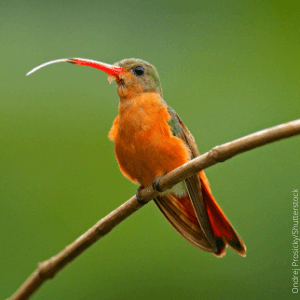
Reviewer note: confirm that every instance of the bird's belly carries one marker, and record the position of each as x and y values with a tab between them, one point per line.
144	157
140	161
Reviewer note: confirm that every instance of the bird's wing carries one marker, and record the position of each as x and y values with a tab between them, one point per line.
210	230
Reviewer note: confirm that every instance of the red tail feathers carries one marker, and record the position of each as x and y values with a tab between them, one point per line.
220	225
218	221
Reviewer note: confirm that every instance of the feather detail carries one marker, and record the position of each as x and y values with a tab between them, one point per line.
179	217
179	190
213	222
220	225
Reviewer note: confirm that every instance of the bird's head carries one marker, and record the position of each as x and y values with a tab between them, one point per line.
137	77
132	76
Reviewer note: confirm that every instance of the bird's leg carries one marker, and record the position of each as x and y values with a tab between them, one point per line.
139	199
155	183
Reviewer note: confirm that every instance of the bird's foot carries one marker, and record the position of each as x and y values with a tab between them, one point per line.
155	183
139	199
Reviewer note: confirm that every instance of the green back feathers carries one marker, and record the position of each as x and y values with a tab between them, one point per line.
174	122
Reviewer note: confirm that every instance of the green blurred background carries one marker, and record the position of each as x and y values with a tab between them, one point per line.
229	68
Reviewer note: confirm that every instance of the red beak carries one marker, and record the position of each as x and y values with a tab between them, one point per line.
109	69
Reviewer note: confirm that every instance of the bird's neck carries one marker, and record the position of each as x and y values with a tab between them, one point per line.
129	92
141	111
144	102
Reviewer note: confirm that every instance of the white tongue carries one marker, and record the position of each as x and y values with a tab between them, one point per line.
47	64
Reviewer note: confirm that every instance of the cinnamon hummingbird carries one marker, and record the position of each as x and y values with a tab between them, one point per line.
151	140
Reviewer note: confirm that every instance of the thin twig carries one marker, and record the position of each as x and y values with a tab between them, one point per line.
48	269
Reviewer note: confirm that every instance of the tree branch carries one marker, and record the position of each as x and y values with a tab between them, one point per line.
48	269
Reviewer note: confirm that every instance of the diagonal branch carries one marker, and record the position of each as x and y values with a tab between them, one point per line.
48	269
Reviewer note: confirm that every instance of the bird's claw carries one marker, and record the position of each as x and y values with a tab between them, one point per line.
139	199
155	183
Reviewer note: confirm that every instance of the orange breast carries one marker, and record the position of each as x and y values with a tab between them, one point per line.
144	144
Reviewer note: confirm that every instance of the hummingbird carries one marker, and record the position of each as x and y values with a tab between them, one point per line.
150	141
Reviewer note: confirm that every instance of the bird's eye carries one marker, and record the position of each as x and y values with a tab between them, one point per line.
138	70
